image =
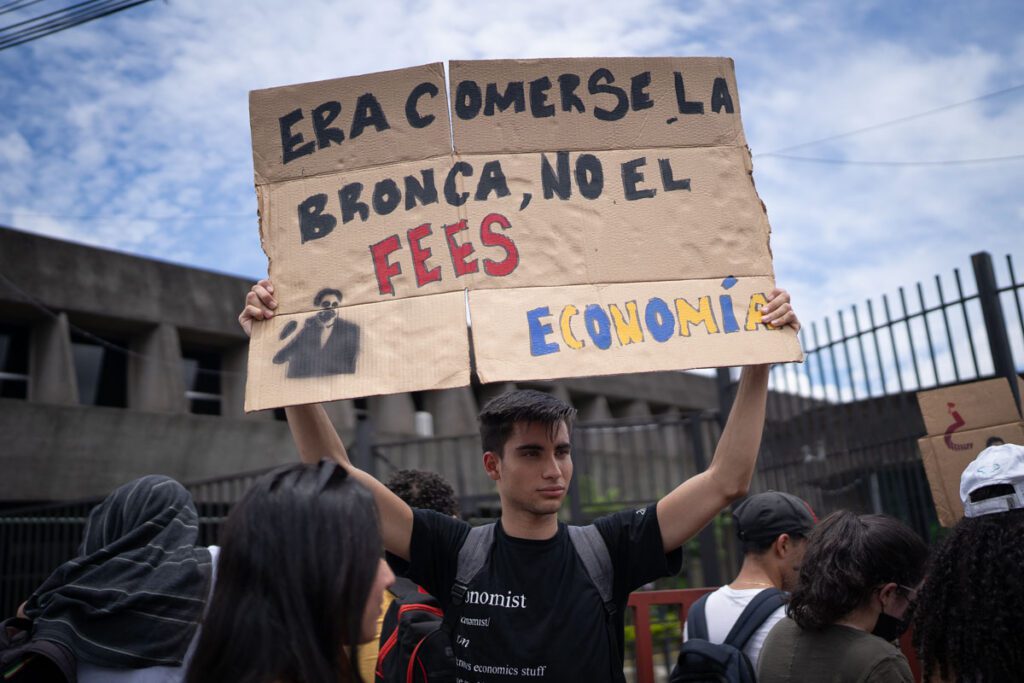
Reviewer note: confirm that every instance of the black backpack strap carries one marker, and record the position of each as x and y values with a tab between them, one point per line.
593	552
472	557
754	615
403	589
696	620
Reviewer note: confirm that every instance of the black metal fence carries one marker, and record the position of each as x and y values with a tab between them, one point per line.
843	426
950	334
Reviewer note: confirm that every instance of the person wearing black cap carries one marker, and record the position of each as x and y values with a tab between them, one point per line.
772	528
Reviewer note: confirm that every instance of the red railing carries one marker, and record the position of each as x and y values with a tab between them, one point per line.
642	601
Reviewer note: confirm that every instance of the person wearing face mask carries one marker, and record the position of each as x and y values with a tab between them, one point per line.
858	582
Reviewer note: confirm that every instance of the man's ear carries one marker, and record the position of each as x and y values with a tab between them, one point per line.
783	544
492	465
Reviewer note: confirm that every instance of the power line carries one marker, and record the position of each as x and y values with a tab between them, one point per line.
116	348
16	5
856	162
893	122
59	20
115	218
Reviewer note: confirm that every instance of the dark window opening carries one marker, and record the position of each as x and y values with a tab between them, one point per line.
101	370
201	371
14	345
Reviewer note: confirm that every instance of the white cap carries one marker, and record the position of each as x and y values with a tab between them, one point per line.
1003	464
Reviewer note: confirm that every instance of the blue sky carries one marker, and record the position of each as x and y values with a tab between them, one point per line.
132	132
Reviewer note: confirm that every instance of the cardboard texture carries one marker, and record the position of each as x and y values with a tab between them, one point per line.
637	107
603	180
315	357
960	421
363	123
540	332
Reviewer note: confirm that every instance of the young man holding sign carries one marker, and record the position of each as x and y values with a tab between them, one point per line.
533	610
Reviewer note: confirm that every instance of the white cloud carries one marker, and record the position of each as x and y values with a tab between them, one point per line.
145	115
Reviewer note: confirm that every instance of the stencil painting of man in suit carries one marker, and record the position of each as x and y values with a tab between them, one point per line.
326	344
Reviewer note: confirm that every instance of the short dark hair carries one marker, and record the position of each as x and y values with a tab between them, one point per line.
755	547
849	556
499	417
325	292
425	490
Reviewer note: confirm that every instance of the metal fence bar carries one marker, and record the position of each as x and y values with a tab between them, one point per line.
860	346
892	339
878	347
846	355
910	338
967	322
1015	287
995	322
928	334
944	307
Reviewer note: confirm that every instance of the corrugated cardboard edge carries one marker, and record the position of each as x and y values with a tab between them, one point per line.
933	472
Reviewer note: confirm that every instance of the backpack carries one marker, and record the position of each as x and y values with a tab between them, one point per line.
413	646
701	660
418	645
33	661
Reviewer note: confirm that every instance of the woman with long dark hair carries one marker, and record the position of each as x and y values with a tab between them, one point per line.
858	581
299	581
970	618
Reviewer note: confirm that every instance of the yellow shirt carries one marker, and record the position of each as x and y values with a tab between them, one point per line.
368	651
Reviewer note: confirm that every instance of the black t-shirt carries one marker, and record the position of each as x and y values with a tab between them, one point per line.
532	612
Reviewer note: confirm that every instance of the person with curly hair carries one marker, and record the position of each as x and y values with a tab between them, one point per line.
420	489
969	624
857	585
424	490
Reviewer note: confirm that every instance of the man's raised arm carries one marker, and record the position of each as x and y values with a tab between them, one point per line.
695	502
316	438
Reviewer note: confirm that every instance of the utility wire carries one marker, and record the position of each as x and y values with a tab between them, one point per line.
114	218
16	5
67	18
116	348
893	122
856	162
59	20
71	10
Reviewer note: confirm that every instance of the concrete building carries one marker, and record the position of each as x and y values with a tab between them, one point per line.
113	366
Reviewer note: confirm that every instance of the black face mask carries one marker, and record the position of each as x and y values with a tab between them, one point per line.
889	628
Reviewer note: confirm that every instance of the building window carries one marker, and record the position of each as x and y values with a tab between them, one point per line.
202	381
14	342
101	369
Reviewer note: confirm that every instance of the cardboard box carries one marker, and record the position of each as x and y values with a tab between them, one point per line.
961	420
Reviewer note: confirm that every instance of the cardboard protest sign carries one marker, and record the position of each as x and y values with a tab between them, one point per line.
601	214
962	421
